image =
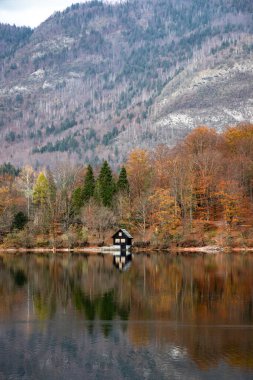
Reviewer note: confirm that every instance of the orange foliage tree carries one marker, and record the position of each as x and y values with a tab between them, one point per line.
139	171
238	149
165	216
232	202
202	149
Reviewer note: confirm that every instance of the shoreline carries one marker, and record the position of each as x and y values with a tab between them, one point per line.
99	250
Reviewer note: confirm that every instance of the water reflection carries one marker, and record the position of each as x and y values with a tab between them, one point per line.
122	262
197	309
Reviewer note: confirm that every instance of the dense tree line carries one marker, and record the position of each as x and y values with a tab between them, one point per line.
200	192
12	37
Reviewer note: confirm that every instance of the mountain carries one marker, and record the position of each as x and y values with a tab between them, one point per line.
96	80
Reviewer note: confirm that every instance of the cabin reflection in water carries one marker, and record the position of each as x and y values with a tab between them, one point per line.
122	262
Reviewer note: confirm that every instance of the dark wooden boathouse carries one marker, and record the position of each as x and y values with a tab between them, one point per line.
122	238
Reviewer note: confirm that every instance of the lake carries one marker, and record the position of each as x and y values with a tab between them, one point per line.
157	317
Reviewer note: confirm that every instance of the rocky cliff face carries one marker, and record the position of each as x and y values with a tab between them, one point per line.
217	96
92	82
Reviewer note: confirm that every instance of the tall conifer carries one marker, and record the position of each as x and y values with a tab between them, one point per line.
77	200
123	184
106	185
89	185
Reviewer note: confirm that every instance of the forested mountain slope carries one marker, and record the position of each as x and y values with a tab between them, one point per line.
96	80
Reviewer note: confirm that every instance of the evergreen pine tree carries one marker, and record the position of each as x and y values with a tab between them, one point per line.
106	185
19	221
89	185
97	192
123	184
77	200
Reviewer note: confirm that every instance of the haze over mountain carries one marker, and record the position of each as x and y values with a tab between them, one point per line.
96	80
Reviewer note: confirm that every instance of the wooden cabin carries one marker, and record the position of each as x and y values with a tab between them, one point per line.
122	238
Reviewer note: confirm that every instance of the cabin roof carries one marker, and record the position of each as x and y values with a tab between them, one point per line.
124	232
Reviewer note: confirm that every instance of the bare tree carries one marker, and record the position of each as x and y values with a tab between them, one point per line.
98	218
25	183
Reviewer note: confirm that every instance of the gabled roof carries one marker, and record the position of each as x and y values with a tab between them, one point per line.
125	232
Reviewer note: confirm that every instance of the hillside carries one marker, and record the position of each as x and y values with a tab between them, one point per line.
97	79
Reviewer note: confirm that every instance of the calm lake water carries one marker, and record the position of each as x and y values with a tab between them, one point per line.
75	317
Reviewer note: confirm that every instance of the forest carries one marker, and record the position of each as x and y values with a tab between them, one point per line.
198	193
95	75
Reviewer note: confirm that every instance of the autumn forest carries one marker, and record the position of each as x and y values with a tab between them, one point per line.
198	193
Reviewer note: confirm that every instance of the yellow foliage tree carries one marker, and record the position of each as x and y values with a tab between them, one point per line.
41	189
165	216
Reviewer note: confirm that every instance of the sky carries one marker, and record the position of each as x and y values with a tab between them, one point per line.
31	12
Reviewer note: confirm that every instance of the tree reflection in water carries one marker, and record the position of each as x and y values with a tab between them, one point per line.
201	304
